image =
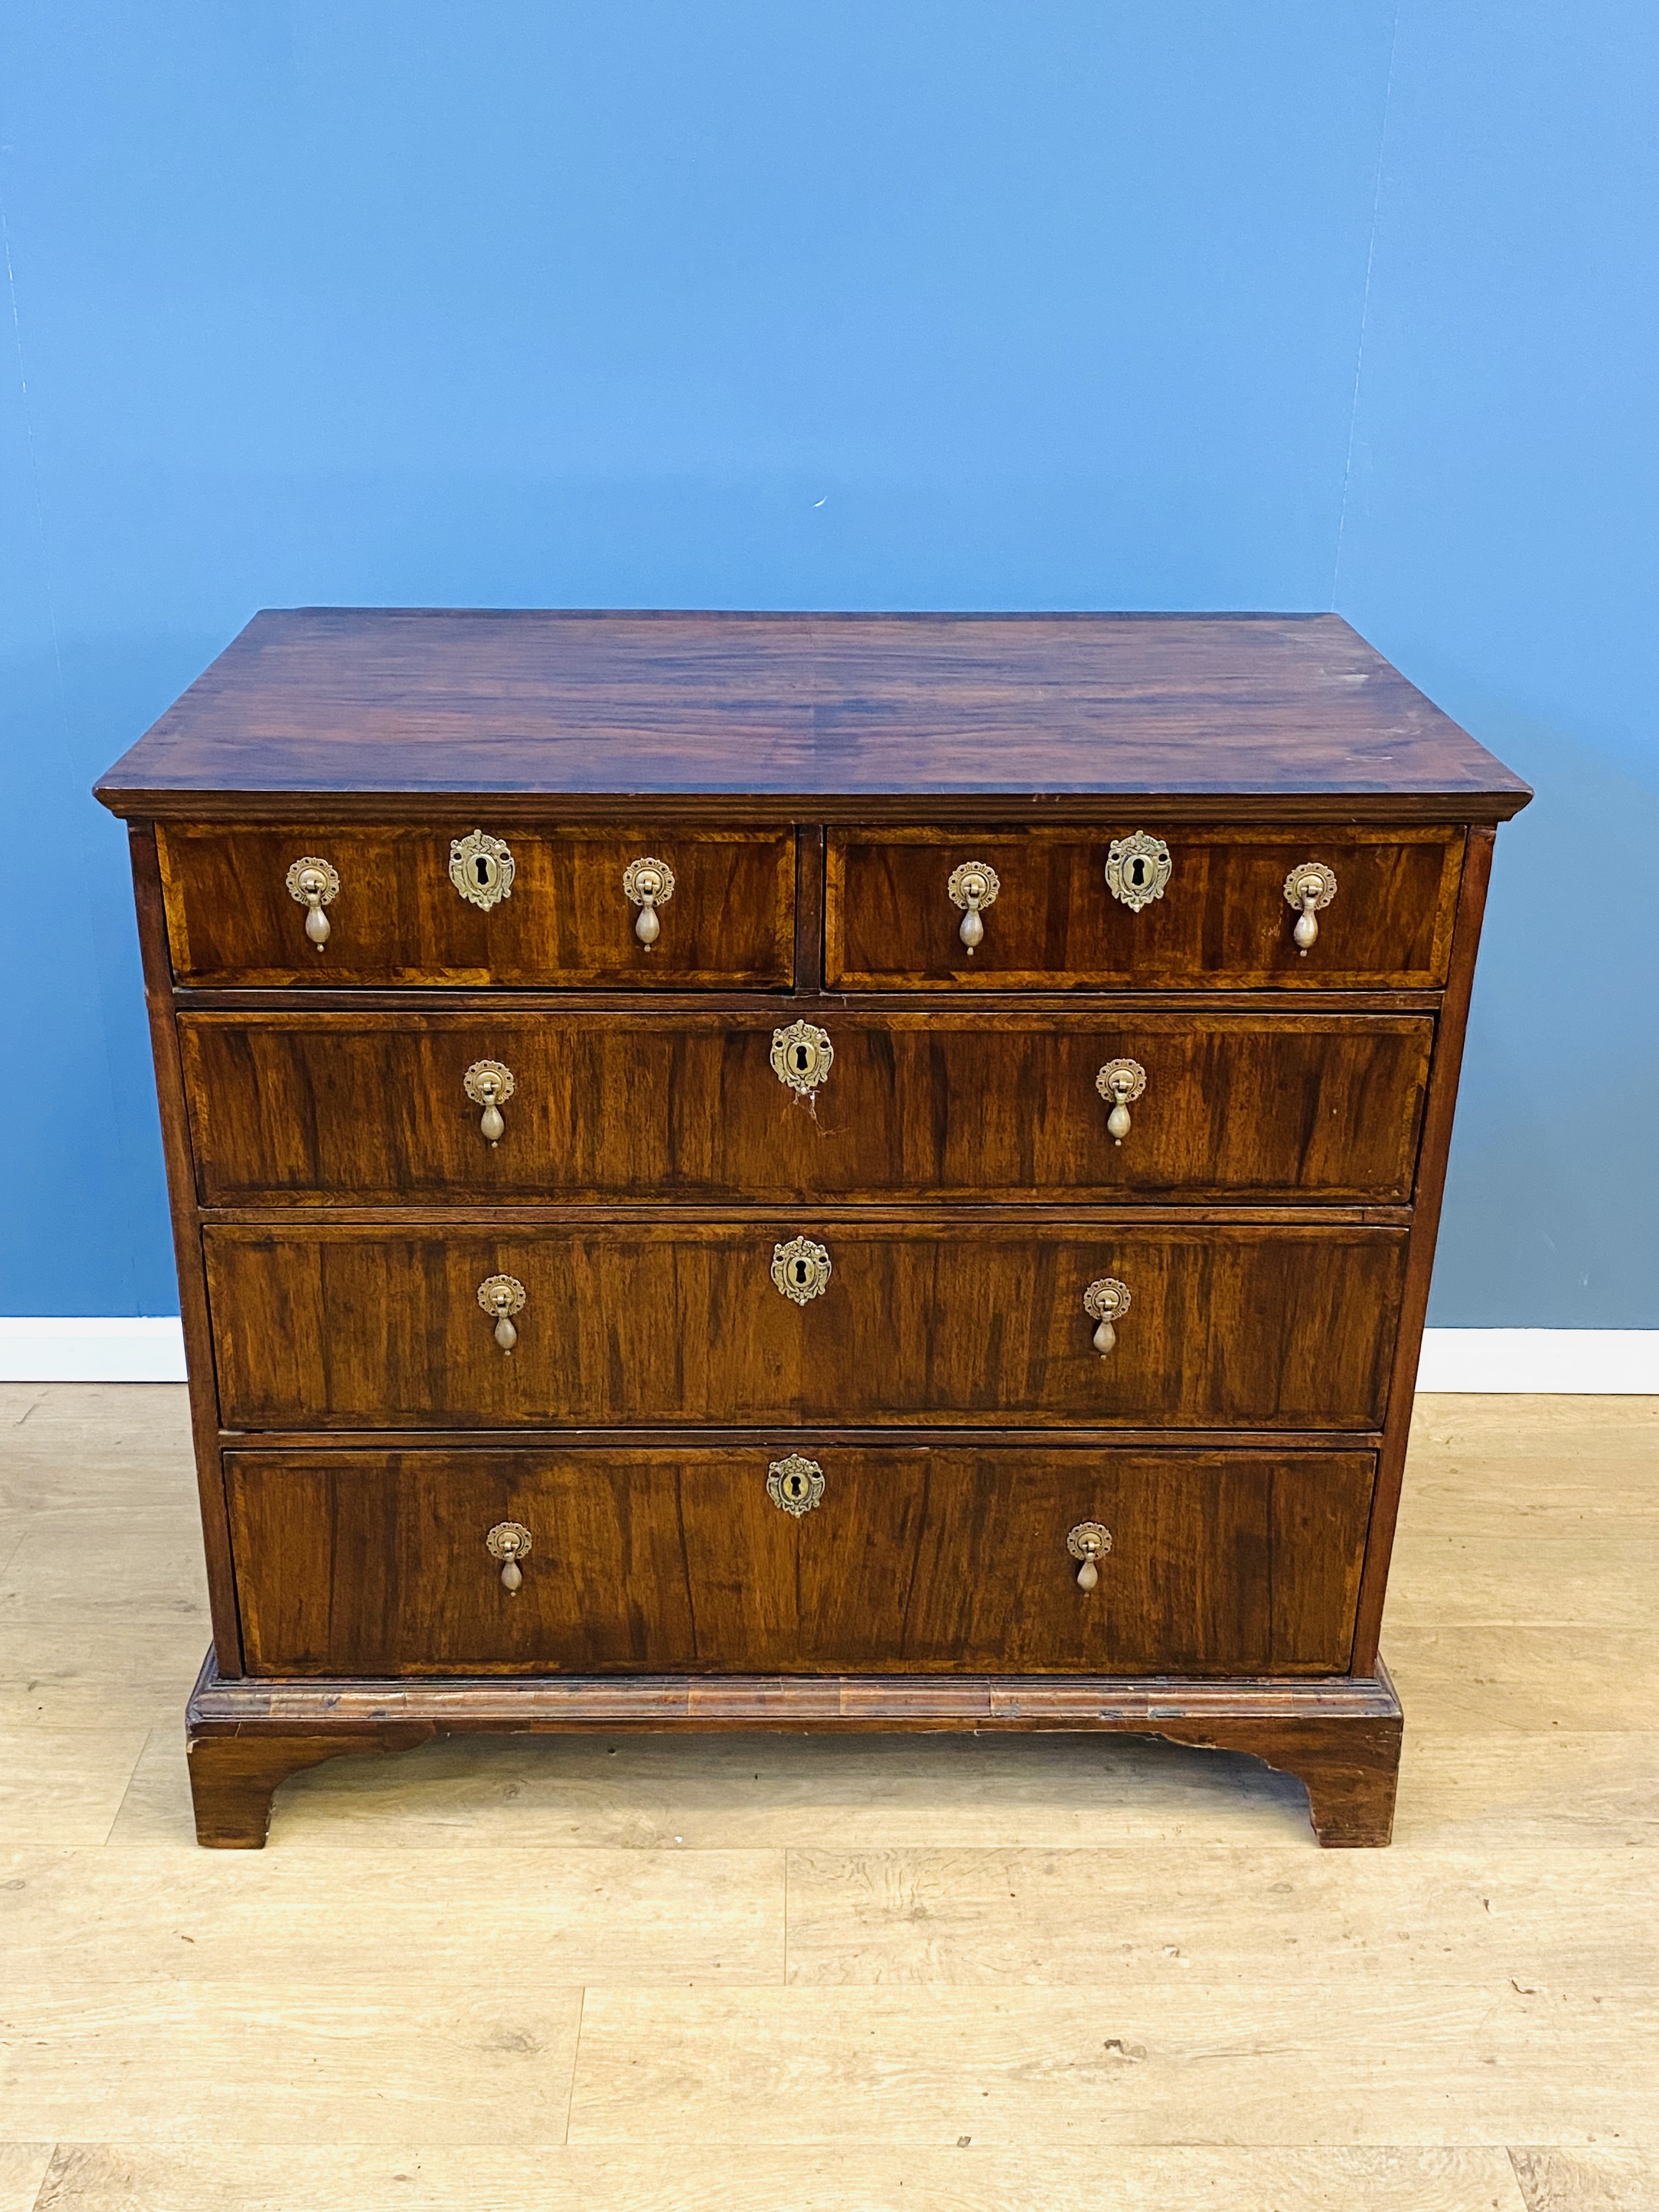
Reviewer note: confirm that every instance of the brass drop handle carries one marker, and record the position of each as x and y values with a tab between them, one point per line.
315	883
1089	1542
1106	1302
650	884
490	1086
1310	888
509	1541
1122	1081
503	1296
973	886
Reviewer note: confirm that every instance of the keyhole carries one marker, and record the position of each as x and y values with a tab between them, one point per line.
800	1271
1137	872
803	1058
795	1486
485	868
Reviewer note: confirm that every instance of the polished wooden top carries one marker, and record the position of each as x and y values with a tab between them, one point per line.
319	711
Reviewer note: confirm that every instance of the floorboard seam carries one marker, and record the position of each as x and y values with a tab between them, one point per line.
38	2205
575	2061
115	1822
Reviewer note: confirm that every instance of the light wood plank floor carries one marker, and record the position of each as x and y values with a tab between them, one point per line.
874	1975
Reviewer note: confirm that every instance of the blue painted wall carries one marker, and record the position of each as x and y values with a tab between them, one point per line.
970	305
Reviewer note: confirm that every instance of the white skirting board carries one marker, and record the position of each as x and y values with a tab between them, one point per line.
1602	1361
124	1349
1599	1362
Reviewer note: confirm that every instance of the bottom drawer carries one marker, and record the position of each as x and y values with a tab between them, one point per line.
676	1559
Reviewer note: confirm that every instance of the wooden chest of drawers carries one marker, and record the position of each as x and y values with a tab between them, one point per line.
803	1171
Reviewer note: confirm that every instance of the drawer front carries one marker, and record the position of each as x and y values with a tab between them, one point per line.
1221	920
374	1109
565	917
368	1563
922	1320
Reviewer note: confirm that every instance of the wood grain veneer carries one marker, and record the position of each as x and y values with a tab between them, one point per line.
398	917
812	781
646	1321
375	1563
322	1108
1267	714
1222	923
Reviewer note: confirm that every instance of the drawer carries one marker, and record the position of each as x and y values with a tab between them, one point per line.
312	1108
922	1319
558	910
373	1563
1221	919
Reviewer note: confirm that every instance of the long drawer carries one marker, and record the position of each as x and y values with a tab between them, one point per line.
356	903
381	1109
373	1563
1193	908
833	1318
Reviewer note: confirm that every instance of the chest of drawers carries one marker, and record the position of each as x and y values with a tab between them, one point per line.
803	1171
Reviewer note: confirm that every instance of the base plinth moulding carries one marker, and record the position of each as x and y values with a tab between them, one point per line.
1339	1736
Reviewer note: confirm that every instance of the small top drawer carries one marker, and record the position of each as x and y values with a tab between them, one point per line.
1143	909
455	903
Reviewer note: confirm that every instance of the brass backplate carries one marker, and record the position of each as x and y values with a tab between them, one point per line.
1312	883
327	885
648	879
975	880
489	1082
1123	1079
1107	1299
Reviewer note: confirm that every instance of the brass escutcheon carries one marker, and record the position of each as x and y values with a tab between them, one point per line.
1309	888
1120	1082
1089	1542
795	1485
1137	869
481	868
1106	1301
490	1086
502	1296
509	1541
315	883
800	1269
801	1056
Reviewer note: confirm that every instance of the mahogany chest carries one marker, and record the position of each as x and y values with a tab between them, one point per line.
843	1171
